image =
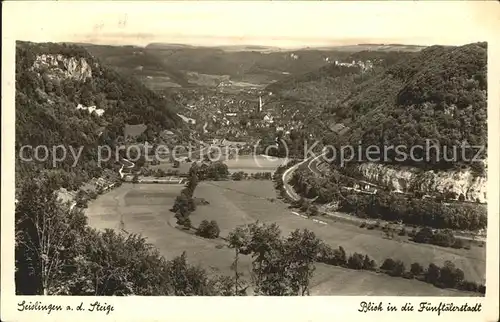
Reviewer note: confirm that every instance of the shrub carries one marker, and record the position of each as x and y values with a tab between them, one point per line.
399	269
424	236
388	264
340	255
92	194
326	254
185	222
450	275
81	199
237	176
407	275
468	286
369	264
355	261
443	238
432	274
393	268
208	229
416	269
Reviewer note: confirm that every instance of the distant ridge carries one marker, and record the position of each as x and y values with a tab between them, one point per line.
242	48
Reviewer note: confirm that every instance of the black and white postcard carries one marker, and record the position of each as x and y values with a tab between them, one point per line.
234	160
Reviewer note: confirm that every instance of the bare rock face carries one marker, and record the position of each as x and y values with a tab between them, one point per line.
406	179
62	67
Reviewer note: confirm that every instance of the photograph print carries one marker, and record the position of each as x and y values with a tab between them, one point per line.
160	156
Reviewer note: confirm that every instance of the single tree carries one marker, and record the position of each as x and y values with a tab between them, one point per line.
416	269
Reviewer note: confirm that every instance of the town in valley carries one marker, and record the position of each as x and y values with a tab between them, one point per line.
186	170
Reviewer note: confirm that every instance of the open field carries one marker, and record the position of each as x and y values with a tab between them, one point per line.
332	280
165	166
246	163
145	208
254	163
232	203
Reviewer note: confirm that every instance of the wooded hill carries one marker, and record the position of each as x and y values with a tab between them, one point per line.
438	94
51	81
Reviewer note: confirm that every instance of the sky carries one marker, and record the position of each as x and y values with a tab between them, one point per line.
277	23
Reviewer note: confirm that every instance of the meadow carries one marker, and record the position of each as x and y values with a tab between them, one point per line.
245	163
145	209
254	163
234	203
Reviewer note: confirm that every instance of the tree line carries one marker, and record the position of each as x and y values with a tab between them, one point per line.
241	175
391	206
185	204
412	211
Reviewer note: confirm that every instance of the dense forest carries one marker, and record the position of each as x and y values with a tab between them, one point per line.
331	84
437	94
51	81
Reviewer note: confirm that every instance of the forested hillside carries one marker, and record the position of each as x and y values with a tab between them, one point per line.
333	82
57	87
437	94
136	61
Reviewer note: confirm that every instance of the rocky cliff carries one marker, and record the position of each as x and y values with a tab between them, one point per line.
407	179
60	66
60	88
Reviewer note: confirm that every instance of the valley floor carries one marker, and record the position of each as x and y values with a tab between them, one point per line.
145	209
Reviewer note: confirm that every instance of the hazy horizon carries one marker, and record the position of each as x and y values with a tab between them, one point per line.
250	46
271	24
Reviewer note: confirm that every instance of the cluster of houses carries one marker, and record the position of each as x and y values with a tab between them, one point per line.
339	128
91	109
362	187
363	65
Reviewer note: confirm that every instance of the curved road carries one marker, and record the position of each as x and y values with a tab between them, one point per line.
287	175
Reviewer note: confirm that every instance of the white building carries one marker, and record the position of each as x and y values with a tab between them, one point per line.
268	118
91	109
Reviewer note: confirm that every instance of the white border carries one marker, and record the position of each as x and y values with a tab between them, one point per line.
481	19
